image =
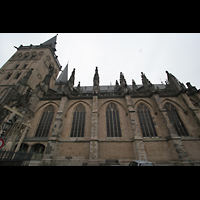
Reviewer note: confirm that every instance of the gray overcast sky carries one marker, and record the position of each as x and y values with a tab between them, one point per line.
130	53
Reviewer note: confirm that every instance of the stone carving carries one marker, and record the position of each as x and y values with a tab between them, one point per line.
69	87
116	87
40	54
173	86
147	84
48	76
59	87
134	86
123	85
96	88
191	89
26	55
78	88
22	100
24	80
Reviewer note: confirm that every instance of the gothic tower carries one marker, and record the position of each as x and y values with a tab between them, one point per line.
24	78
36	57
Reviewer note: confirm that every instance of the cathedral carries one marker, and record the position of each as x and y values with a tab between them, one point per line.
66	125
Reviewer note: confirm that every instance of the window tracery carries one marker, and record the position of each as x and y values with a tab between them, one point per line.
176	120
146	121
112	121
45	122
78	124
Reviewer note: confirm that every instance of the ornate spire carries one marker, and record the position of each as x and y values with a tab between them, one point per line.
96	87
116	86
69	87
122	80
147	85
123	85
72	77
174	82
78	88
134	86
145	81
96	77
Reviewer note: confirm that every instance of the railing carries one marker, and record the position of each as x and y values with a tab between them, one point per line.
11	158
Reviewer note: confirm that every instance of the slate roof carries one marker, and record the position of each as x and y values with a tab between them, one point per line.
51	42
63	76
110	88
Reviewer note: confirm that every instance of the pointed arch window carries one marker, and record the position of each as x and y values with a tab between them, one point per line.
78	124
146	122
112	121
176	120
45	122
17	75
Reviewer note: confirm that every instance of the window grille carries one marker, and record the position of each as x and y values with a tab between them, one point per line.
146	122
78	124
176	120
112	121
45	122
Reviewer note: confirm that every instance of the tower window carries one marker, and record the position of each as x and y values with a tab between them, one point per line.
146	122
25	66
33	55
45	122
16	66
17	75
8	76
112	121
26	55
78	124
176	120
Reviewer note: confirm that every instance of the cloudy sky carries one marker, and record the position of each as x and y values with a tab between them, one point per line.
130	53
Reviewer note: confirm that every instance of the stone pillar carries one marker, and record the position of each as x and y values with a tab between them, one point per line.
50	152
93	160
138	144
180	149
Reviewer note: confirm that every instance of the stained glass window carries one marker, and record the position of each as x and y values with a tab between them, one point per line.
112	121
78	124
146	122
45	122
176	120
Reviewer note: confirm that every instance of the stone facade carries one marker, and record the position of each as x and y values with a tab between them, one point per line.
28	86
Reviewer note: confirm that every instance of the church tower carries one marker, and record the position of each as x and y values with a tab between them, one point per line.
36	57
25	78
27	68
